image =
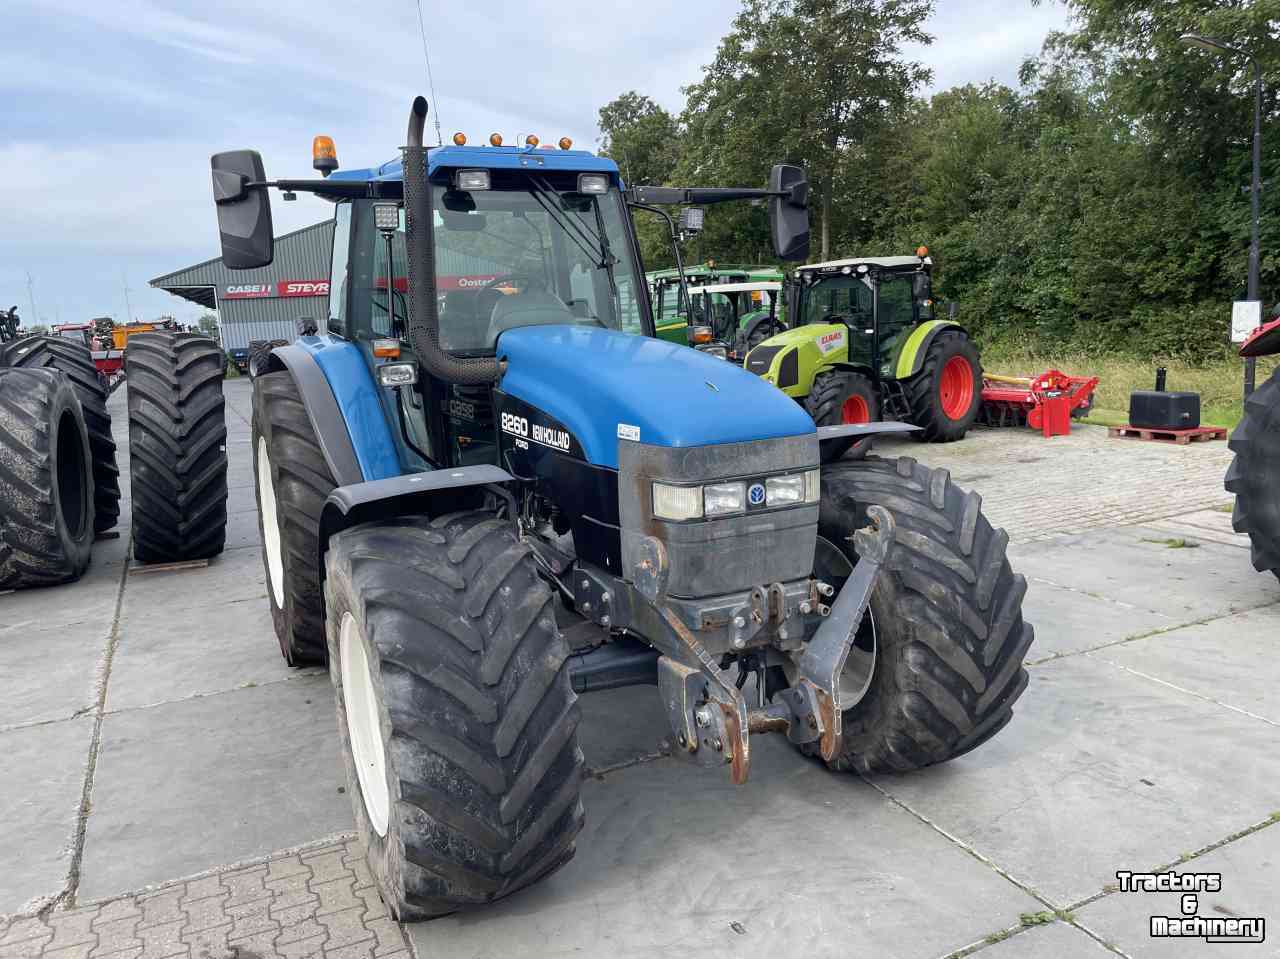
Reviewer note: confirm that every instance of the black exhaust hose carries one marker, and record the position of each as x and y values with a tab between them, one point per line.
419	238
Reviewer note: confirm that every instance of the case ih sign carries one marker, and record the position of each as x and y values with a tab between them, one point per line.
248	291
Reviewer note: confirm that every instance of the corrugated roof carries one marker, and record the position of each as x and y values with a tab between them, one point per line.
300	254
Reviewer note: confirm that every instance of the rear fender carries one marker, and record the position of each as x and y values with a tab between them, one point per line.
344	405
911	356
429	494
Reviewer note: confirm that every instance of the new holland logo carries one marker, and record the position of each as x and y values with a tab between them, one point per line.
755	495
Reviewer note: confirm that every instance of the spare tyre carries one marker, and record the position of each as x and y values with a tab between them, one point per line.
76	361
177	447
46	480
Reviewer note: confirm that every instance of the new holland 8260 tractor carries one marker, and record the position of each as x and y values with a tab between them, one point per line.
482	498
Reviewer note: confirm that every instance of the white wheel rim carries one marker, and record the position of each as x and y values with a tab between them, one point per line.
270	525
364	726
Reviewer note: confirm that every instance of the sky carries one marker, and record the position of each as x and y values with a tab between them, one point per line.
109	109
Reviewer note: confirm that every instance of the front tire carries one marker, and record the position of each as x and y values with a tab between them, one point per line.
292	482
945	395
1254	475
177	447
457	720
947	609
46	481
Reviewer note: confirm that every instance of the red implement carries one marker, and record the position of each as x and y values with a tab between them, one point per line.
1046	402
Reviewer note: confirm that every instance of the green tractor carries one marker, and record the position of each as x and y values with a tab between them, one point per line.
752	309
865	346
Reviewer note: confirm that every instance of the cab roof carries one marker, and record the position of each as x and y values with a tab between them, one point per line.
736	287
884	262
489	158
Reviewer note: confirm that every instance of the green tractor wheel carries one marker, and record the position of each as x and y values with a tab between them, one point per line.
947	392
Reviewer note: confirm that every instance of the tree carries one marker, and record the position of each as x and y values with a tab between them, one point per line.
208	325
808	80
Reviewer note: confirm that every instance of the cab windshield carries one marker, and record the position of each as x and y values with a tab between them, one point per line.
845	298
529	252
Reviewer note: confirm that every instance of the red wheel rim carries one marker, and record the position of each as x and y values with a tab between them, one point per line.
955	387
855	410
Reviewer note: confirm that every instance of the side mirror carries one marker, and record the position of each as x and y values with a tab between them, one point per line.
920	286
789	212
244	212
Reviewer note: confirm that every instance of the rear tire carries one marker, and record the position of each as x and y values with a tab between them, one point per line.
1254	475
46	481
177	447
292	482
947	610
459	725
76	361
946	393
259	351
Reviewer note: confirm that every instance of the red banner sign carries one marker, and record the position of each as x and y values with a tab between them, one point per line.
283	288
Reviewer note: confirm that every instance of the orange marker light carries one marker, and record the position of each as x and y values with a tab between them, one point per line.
565	143
459	139
700	334
386	349
922	251
531	140
324	155
495	139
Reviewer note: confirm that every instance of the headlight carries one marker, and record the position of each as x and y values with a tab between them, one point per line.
725	498
397	374
784	490
677	502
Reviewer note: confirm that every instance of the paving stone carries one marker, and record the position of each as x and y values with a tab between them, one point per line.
327	866
21	930
245	885
113	911
1099	770
1249	867
251	918
336	895
301	949
205	913
1056	940
116	935
345	927
41	784
162	940
208	943
25	949
162	907
72	929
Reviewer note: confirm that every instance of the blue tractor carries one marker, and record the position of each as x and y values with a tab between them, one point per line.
485	486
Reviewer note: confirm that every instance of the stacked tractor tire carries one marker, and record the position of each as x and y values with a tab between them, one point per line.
59	482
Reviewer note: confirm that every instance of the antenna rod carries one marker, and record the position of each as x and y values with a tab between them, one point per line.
431	83
31	298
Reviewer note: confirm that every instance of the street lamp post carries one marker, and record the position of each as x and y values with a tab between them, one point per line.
1211	43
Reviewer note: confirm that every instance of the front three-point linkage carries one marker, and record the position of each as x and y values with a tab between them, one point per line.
708	714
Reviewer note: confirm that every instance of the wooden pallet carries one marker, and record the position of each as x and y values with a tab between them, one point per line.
1201	434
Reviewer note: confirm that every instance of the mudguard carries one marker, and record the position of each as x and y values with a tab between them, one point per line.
431	493
1264	341
344	406
911	355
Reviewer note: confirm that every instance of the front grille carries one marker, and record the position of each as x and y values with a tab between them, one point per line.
717	556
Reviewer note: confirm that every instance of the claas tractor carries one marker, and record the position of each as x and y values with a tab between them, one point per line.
864	343
479	500
1254	475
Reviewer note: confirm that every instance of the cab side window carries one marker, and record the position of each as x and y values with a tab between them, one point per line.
338	268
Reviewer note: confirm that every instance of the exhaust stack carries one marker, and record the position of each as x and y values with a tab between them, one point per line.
424	313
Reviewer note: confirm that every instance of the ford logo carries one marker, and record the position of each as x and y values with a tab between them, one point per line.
756	494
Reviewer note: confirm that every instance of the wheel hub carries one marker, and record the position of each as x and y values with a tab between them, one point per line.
271	540
955	387
364	725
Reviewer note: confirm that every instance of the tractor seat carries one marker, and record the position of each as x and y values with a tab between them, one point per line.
533	308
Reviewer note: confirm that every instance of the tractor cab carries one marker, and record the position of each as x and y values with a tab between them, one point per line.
725	319
671	292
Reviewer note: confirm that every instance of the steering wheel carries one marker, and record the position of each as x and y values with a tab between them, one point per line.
487	295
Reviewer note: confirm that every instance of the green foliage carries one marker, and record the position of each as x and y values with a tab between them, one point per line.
1101	206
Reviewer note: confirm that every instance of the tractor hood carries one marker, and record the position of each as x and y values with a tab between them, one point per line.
602	385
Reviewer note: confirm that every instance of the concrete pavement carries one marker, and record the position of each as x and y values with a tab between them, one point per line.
169	788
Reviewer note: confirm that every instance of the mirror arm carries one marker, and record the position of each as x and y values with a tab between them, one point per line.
675	249
673	195
358	189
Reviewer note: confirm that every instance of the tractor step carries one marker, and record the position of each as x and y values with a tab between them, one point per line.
1199	434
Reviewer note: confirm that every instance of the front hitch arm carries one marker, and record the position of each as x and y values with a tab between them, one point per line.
816	700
